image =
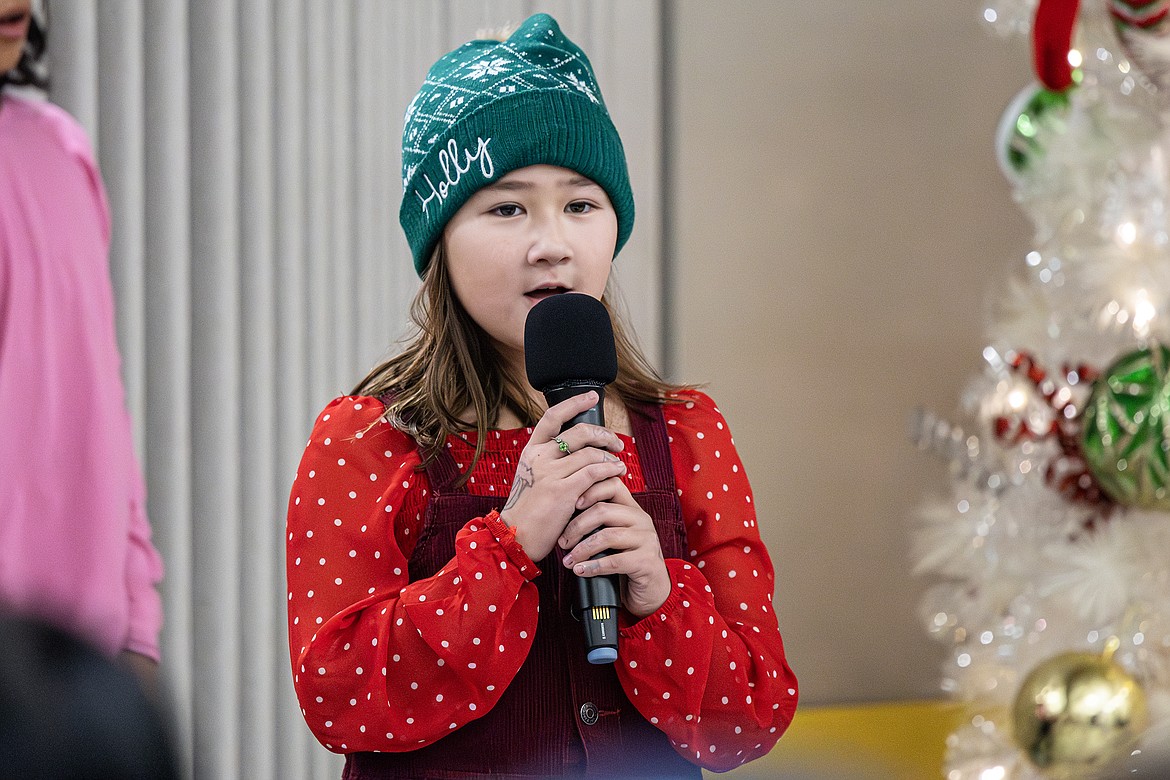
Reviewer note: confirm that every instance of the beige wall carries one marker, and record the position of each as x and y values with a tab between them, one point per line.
838	223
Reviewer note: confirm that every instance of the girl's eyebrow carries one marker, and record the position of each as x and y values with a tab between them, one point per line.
513	185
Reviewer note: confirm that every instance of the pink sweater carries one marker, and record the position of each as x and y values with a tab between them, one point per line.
74	539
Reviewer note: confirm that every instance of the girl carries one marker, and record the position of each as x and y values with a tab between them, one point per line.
74	538
431	526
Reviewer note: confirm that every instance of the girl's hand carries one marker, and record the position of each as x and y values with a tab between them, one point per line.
629	533
549	481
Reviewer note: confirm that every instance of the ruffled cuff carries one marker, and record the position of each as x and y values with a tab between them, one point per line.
630	626
506	536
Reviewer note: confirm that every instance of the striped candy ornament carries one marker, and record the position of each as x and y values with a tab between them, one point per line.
1144	29
1139	14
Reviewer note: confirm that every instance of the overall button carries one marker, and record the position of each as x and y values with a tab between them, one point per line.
588	713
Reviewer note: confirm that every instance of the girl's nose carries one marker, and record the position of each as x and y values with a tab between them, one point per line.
549	244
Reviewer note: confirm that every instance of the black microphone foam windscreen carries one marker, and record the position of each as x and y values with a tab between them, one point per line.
567	338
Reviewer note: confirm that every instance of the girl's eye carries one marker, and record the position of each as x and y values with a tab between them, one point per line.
506	210
579	207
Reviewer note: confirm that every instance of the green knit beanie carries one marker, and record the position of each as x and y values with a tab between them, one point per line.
490	107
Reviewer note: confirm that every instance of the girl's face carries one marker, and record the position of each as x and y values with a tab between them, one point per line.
14	19
535	232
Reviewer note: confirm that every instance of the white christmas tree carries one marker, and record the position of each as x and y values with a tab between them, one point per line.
1050	554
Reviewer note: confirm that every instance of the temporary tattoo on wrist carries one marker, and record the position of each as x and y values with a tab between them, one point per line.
521	482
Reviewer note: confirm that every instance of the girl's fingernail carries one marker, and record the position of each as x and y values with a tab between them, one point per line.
579	568
567	560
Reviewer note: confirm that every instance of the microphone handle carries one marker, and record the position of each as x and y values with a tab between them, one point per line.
597	598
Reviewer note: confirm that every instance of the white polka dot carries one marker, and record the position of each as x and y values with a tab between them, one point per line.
731	574
439	697
337	581
320	502
341	461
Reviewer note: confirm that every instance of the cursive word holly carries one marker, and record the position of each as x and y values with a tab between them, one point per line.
453	169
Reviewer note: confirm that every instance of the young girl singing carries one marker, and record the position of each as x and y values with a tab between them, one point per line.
437	516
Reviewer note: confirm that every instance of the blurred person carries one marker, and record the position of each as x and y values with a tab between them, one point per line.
68	711
74	538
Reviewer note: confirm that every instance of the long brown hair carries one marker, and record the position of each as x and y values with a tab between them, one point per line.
449	364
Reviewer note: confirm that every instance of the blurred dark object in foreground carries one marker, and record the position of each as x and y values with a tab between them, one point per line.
68	711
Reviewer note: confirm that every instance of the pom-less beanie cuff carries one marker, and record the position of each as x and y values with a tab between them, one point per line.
489	108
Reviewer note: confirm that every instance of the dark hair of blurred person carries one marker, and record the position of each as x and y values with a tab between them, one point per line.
69	711
24	64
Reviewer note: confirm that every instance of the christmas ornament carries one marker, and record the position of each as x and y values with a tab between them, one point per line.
1126	437
1144	29
1052	33
1078	712
1033	112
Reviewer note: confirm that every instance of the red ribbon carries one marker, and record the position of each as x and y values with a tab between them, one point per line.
1052	33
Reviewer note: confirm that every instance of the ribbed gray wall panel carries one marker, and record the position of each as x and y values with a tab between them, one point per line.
169	451
251	153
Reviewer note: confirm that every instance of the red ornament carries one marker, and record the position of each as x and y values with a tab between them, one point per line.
1068	473
1052	33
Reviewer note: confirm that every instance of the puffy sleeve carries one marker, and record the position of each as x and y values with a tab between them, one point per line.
379	662
708	668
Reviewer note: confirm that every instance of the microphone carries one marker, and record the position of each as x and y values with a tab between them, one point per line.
569	350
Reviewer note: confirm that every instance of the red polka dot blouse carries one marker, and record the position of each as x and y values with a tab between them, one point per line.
384	664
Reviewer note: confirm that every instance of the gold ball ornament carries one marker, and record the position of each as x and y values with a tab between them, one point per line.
1077	713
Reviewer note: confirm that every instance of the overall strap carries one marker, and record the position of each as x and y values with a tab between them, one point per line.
442	472
648	425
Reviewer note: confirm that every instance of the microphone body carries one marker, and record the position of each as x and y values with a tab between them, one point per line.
597	598
569	350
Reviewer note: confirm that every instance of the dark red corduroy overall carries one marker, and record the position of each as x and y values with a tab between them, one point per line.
561	716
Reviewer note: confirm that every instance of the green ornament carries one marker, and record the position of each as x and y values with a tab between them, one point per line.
1017	139
1127	429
